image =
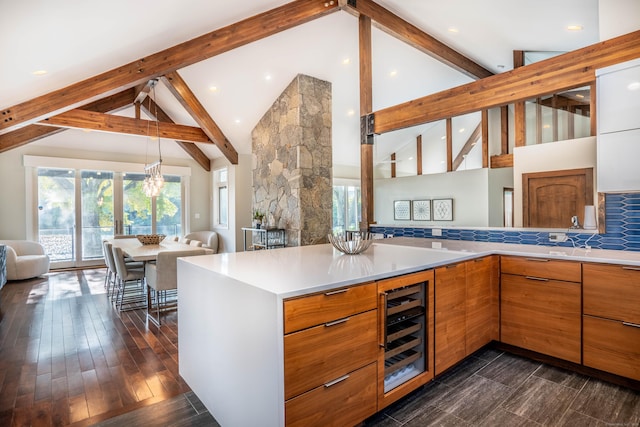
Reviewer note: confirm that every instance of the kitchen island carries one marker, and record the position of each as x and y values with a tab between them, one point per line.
231	316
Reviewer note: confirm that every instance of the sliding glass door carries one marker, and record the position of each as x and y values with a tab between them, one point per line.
56	213
78	209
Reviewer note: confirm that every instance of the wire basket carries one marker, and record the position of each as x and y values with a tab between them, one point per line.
359	243
150	239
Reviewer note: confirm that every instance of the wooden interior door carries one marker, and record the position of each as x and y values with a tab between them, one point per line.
550	199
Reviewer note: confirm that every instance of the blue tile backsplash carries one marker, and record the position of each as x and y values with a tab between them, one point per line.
622	229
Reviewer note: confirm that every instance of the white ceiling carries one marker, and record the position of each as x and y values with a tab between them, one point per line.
76	39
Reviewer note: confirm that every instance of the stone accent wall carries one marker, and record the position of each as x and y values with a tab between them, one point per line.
292	162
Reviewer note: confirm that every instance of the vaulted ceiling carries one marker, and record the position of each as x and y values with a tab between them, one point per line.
74	40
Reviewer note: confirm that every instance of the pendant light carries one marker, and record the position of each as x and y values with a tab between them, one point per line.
153	180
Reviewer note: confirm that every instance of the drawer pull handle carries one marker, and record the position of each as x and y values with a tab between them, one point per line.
633	325
336	381
538	259
539	279
631	268
451	266
336	322
341	291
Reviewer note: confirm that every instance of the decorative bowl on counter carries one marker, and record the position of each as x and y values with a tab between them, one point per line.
359	243
150	239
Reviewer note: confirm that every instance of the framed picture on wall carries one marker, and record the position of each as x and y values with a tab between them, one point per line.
442	209
421	210
402	210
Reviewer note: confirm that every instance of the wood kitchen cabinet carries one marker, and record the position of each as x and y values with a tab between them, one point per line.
330	355
611	320
466	306
541	306
482	308
450	316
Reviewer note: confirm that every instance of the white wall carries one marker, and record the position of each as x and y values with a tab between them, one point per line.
561	155
468	189
240	190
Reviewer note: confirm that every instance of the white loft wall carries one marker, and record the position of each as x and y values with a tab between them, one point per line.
468	189
561	155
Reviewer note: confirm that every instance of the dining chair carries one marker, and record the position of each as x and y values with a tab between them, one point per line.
129	283
110	276
161	279
196	243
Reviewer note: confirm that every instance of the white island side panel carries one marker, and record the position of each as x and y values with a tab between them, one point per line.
230	347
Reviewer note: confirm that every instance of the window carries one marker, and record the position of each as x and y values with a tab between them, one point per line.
347	212
221	198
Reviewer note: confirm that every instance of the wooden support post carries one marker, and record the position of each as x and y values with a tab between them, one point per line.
485	138
366	123
449	146
393	165
419	154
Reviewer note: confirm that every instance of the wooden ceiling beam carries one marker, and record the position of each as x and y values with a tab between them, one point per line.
35	132
468	146
82	119
566	71
179	88
188	53
151	109
412	35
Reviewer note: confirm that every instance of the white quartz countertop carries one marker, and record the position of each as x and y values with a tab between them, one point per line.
294	271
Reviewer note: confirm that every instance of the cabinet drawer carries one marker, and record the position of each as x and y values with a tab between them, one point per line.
611	346
301	313
343	401
612	291
542	316
567	271
320	354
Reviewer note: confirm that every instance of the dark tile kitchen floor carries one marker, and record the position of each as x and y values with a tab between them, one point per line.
493	388
490	388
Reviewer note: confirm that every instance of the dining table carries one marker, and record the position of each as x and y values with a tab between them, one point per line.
136	251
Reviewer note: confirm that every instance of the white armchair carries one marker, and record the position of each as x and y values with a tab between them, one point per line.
209	239
25	259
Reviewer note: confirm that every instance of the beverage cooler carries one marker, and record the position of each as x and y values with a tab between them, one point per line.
406	335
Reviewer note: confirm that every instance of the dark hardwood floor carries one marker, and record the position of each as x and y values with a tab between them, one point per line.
68	358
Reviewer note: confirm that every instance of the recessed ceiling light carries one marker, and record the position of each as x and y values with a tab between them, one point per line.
633	86
574	27
579	95
546	127
410	158
393	73
350	113
461	130
453	30
237	121
443	137
213	88
346	61
39	72
442	162
267	77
